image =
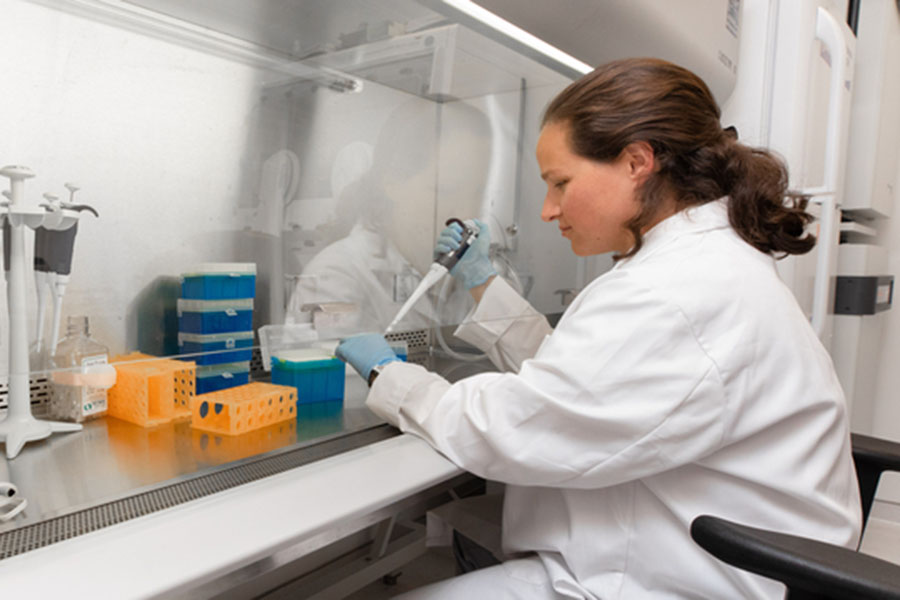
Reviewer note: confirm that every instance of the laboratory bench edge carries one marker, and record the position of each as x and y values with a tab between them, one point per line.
197	549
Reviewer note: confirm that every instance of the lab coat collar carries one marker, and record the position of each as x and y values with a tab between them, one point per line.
696	219
374	242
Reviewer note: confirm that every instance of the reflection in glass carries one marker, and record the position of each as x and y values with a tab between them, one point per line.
367	271
325	142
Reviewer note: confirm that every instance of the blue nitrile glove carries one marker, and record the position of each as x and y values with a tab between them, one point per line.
363	352
474	268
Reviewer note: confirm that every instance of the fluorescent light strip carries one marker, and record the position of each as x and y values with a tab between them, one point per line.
518	34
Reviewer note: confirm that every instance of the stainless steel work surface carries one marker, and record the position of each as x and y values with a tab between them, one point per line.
113	470
111	458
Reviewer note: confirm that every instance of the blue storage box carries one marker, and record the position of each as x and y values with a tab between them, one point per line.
216	348
317	375
219	281
218	377
400	348
215	316
317	419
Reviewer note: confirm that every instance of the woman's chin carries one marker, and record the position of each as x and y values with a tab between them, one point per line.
581	251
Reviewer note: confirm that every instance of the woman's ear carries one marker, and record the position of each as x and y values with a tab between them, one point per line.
640	160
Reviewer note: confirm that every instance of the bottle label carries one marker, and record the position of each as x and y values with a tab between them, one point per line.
93	399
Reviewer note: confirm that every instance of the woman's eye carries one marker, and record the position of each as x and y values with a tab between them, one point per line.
561	184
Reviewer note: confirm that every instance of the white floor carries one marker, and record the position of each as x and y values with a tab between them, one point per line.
882	535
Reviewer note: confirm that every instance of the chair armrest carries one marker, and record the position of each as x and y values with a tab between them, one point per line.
872	456
884	453
804	565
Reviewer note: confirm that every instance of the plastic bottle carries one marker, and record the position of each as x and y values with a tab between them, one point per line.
79	361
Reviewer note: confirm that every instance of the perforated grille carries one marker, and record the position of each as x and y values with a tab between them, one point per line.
40	394
257	370
417	343
84	521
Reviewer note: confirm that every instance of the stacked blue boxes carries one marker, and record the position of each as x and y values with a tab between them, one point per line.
215	323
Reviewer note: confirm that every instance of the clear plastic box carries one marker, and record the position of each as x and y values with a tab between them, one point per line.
279	338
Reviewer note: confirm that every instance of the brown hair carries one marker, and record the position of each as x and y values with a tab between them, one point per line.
670	108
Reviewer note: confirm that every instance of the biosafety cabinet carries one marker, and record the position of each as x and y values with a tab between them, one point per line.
311	149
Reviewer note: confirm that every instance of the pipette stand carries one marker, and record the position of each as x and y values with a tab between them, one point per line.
19	426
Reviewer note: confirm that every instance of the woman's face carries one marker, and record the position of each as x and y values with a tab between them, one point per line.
591	201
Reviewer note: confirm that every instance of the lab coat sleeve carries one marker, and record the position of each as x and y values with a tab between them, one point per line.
621	390
504	326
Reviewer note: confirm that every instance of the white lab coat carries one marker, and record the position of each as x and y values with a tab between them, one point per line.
685	381
364	269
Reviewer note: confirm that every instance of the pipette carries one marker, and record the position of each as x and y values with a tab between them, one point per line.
41	277
439	268
58	255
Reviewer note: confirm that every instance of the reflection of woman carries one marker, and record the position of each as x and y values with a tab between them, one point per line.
364	269
387	206
685	381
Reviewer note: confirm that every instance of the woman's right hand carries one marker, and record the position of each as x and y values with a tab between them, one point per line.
364	352
474	268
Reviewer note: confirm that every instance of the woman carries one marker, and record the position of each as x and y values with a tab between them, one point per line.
685	381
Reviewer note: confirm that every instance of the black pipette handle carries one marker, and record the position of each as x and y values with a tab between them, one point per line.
449	259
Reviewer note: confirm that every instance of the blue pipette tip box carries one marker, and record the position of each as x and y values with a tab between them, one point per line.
219	281
216	348
318	376
212	378
215	316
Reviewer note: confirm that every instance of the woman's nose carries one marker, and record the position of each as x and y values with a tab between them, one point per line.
550	210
